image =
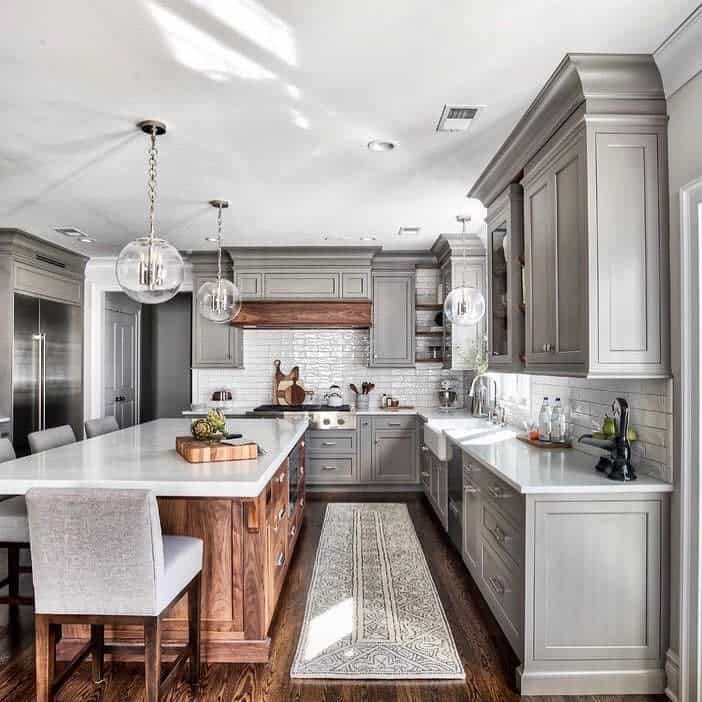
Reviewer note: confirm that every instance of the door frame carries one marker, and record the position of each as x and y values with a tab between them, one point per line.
690	413
100	278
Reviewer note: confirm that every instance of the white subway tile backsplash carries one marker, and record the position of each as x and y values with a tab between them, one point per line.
651	403
324	357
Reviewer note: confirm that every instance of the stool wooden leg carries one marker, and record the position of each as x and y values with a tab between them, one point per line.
152	656
97	651
194	632
13	573
45	656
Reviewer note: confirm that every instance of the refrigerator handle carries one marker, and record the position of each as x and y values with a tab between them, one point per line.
43	381
38	383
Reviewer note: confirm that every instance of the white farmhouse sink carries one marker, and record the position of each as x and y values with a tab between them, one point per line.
436	441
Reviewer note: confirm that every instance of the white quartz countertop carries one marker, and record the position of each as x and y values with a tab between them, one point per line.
532	470
144	457
4	419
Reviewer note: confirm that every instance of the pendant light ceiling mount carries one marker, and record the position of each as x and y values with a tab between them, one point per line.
152	126
220	204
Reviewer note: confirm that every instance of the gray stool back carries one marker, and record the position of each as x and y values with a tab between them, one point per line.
98	427
7	452
51	438
95	551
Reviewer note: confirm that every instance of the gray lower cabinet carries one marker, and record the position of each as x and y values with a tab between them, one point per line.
395	452
576	582
381	452
392	338
435	484
214	345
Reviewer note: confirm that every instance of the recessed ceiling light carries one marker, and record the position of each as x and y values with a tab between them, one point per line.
86	240
380	145
70	232
408	231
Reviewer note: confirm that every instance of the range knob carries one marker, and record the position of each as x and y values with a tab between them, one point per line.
326	421
340	421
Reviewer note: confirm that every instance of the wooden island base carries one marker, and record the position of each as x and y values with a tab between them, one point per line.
248	545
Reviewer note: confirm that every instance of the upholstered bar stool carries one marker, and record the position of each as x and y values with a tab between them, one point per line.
51	438
98	557
14	536
98	427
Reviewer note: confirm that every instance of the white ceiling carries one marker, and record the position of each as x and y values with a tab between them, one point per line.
270	103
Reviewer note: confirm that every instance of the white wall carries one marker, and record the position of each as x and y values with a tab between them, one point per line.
685	157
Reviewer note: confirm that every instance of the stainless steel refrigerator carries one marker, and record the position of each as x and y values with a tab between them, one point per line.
47	368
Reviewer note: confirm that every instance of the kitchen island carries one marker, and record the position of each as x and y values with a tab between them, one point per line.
248	514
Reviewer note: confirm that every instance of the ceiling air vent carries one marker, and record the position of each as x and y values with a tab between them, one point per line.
456	118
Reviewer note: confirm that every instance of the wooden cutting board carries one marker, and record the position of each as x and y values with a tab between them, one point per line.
195	451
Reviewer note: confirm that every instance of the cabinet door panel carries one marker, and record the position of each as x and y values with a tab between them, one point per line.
584	551
355	286
628	249
365	449
395	456
471	525
570	190
300	284
250	285
541	269
392	334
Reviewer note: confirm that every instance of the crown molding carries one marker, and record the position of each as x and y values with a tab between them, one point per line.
679	57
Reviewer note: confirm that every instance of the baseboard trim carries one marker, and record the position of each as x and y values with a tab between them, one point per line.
615	682
672	676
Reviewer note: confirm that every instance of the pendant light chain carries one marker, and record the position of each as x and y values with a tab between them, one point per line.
151	185
219	242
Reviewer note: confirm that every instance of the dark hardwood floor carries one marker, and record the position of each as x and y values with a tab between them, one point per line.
487	657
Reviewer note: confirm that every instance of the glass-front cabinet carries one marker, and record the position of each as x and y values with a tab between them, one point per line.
506	309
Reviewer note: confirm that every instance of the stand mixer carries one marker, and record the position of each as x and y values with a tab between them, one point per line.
616	466
447	396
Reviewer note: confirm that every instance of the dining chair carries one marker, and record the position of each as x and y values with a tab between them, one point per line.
98	427
14	536
51	438
99	558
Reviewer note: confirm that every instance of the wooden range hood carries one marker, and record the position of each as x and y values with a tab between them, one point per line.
304	315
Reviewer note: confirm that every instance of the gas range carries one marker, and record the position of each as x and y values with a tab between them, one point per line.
320	416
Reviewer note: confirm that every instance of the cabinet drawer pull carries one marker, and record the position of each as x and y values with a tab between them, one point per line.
425	474
497	585
328	443
328	467
470	489
394	424
497	492
425	448
498	534
280	561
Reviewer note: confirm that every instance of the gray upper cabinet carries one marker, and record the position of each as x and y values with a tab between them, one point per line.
505	238
392	339
303	273
591	155
213	345
556	249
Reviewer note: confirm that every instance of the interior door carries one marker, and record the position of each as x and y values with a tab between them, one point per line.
62	333
120	367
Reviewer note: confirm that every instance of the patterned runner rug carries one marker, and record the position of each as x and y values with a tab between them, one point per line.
373	611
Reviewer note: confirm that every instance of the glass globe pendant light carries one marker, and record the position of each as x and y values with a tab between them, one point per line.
149	269
219	300
464	305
